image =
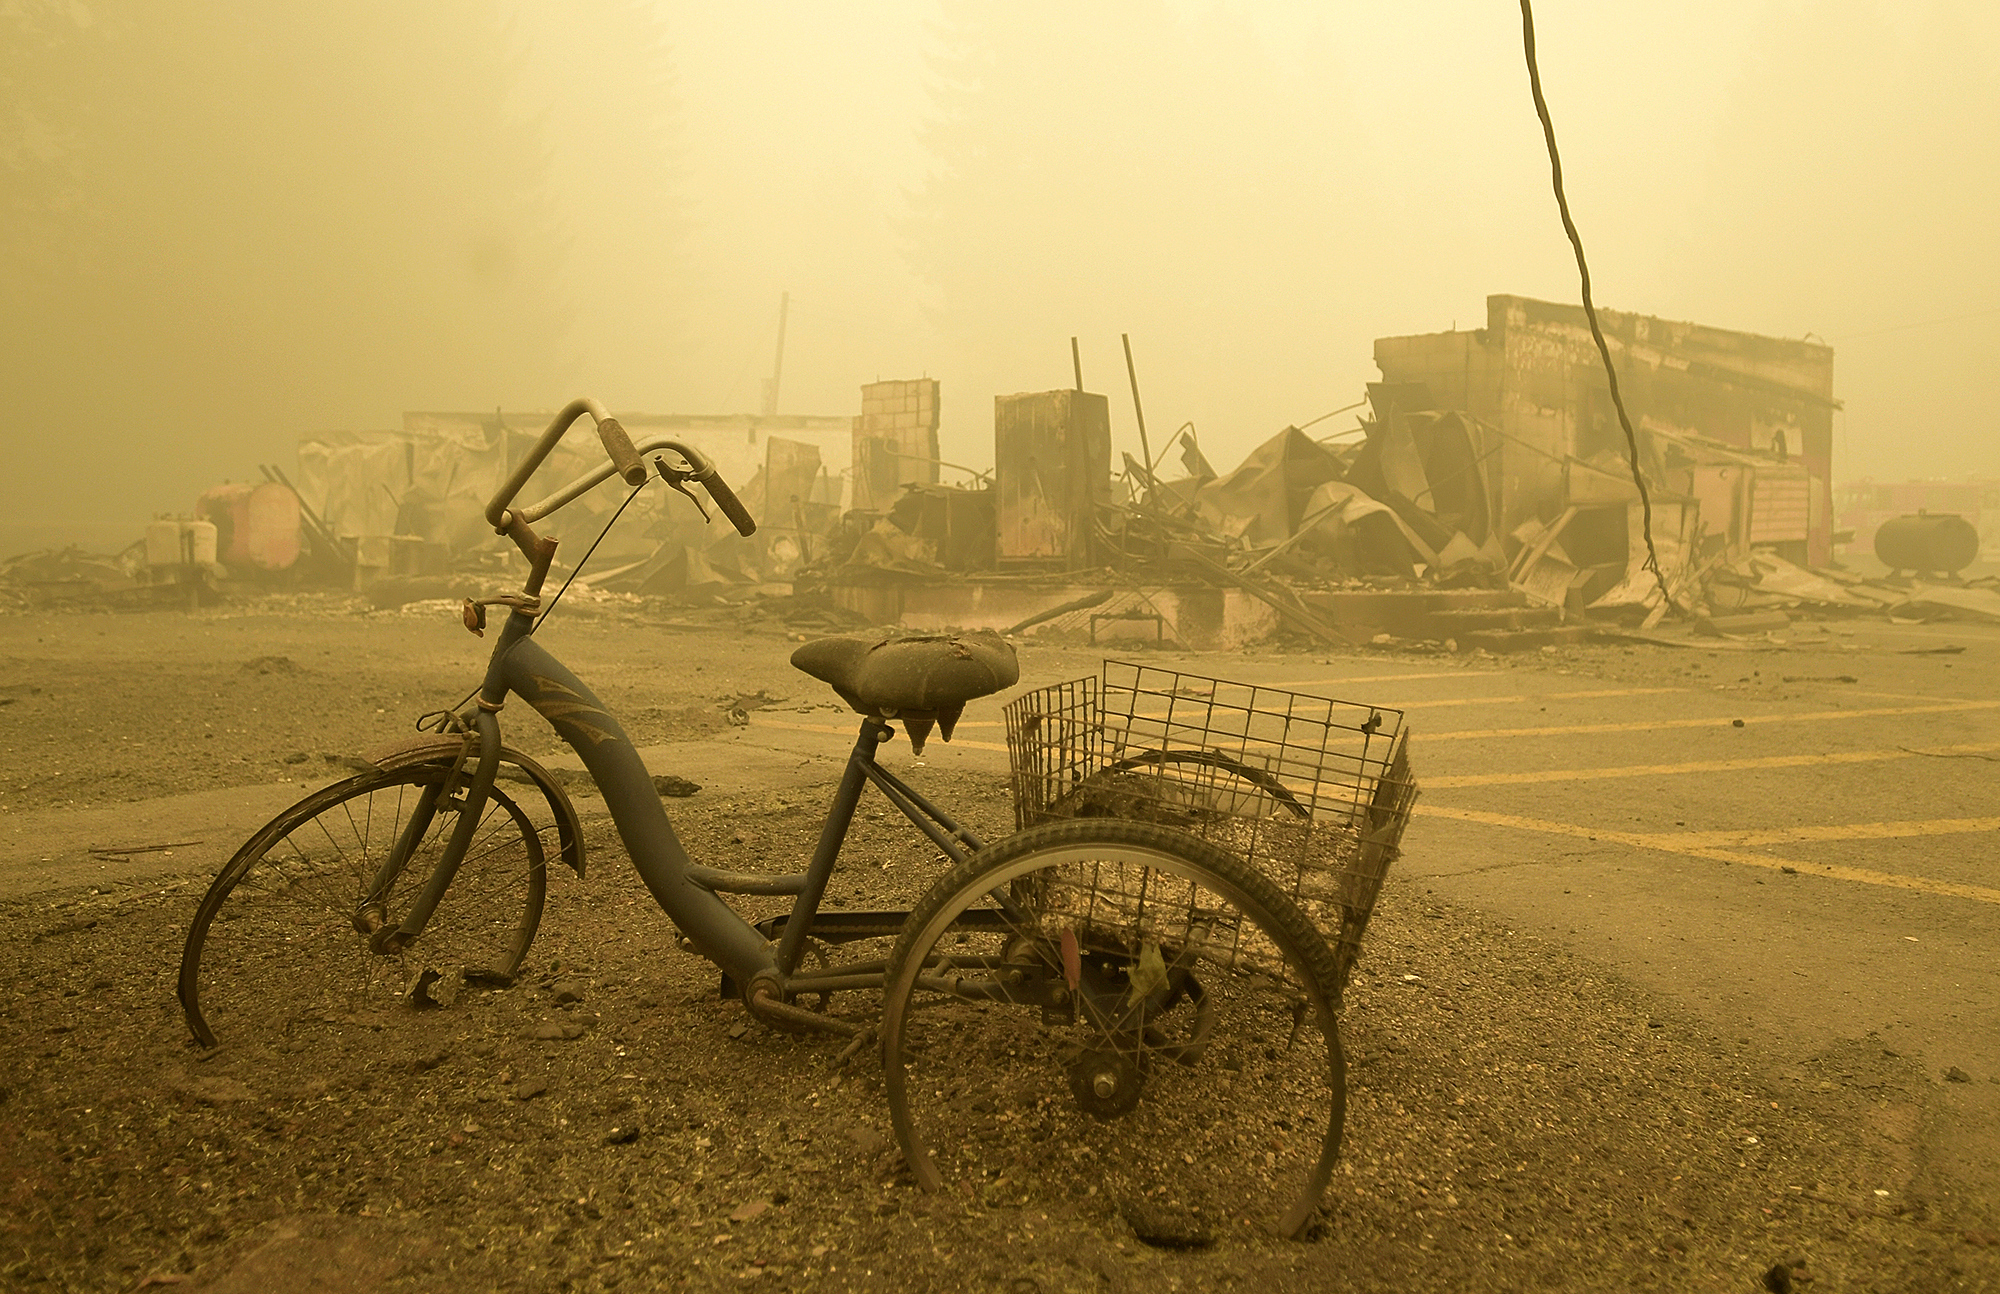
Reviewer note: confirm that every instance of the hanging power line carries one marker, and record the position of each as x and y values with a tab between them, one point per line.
1921	323
1589	308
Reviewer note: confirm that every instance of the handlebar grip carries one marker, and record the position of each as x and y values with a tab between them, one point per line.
623	456
725	498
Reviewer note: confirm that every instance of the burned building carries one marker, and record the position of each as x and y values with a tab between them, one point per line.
895	441
411	499
1735	429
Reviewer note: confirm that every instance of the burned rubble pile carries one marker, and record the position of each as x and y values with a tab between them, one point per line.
1486	500
1483	499
69	577
1390	535
1395	531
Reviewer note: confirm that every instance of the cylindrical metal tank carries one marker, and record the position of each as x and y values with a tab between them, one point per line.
163	542
200	541
257	526
1928	541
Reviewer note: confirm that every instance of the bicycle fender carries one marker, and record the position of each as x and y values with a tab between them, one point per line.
425	749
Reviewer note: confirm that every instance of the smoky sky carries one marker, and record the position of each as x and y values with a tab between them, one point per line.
225	225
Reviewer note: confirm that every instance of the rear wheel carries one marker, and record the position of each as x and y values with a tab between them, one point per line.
281	948
1119	1013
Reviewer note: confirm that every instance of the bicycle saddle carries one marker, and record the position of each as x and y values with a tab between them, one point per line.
922	681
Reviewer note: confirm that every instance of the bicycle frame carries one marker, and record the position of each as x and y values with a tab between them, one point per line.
763	959
1035	951
750	956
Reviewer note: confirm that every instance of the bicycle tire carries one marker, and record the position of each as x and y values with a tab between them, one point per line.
280	945
1280	795
1236	1118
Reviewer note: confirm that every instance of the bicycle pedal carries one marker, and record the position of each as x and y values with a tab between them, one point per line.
419	993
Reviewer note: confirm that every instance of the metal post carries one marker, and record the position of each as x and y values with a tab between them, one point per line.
778	364
1138	410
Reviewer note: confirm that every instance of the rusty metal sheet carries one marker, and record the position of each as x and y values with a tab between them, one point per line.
1052	467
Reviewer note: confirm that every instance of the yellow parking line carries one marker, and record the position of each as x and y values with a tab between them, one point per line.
1649	725
1379	678
1539	696
1590	774
1465	700
846	731
1695	766
1905	696
1843	831
1692	844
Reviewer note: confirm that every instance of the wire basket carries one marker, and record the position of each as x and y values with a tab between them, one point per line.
1313	792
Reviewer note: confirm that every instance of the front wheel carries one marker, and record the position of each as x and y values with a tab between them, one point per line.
1122	1014
282	945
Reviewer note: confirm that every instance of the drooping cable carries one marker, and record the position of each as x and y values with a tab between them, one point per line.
1589	308
441	720
578	568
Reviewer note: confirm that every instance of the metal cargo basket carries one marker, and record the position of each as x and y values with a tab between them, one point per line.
1313	792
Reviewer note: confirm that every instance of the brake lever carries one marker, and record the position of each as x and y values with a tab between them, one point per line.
676	478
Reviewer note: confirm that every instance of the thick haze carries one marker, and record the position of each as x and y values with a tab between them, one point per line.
225	225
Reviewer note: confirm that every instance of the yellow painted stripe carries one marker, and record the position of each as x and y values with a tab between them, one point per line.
1457	701
1539	696
1695	766
1906	696
1691	844
1585	774
1844	831
848	731
1380	678
1752	721
1411	705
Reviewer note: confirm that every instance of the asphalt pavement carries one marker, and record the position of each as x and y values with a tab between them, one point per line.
1799	846
1794	840
1796	843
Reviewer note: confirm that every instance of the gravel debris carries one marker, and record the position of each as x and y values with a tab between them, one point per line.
1517	1119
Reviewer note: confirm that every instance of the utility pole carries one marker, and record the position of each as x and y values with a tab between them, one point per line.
1138	411
777	365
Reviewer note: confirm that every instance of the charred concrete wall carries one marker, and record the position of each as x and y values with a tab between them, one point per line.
1051	468
1533	373
895	440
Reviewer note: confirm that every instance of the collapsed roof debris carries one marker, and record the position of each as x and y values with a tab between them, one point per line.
1481	499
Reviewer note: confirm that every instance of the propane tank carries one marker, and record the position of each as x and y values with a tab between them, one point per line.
1929	541
163	542
200	541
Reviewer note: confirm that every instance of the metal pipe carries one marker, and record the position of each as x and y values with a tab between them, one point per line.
834	983
943	839
763	1003
839	815
714	878
597	476
937	815
1138	411
496	508
778	364
709	923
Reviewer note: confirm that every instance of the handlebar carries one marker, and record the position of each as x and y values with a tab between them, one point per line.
497	514
725	498
618	446
627	461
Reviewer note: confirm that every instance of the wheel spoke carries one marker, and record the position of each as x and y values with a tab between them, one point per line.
1130	1050
276	941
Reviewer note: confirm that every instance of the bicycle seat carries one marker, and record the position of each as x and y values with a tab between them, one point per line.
920	680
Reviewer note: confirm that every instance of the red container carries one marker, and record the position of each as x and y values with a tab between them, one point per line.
256	526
